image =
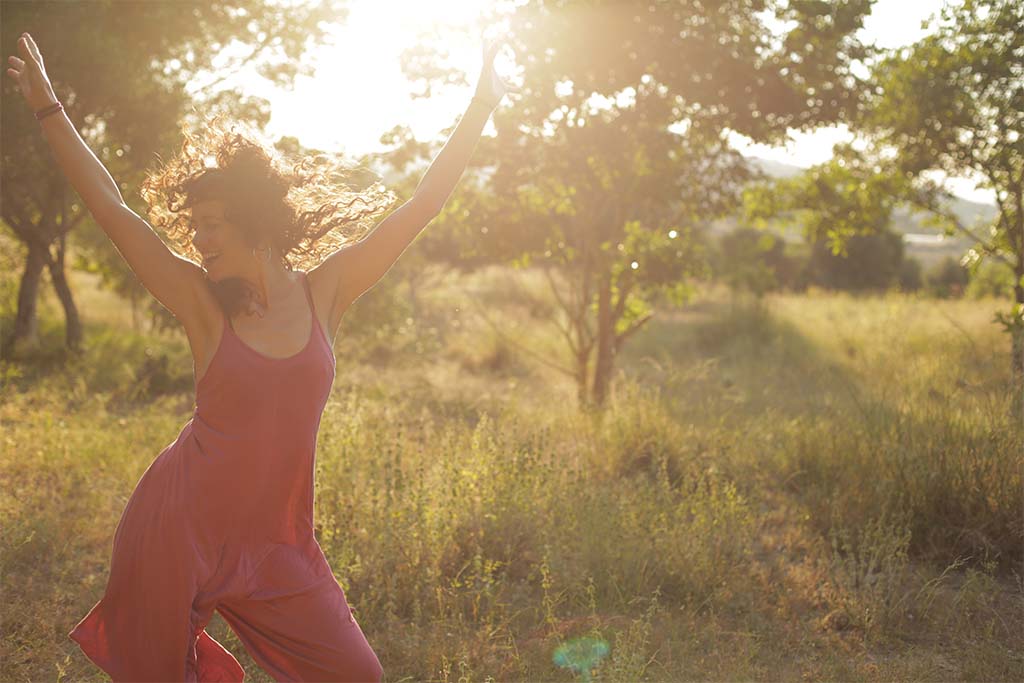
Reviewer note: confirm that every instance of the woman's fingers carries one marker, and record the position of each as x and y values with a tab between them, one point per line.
24	49
28	48
17	66
34	48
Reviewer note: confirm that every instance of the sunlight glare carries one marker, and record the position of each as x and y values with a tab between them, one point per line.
360	81
358	91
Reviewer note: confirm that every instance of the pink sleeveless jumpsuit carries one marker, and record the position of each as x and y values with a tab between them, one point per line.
223	519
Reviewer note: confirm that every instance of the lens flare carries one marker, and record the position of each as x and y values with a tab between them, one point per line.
581	655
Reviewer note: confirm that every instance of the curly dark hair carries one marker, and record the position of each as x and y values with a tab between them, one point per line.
305	209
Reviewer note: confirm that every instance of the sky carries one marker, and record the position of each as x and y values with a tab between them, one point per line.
364	58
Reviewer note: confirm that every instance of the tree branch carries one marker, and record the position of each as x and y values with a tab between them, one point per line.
952	218
637	324
561	302
228	72
519	346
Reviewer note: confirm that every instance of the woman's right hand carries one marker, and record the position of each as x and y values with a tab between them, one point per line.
491	87
28	72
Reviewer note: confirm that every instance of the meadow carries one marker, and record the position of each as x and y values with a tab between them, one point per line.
815	486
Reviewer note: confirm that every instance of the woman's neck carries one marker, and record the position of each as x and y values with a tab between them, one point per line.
269	287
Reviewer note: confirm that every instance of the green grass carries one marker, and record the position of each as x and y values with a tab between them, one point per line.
821	487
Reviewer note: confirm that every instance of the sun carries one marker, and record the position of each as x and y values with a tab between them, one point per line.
358	90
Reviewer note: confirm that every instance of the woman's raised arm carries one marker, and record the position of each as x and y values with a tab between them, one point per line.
159	269
85	172
355	268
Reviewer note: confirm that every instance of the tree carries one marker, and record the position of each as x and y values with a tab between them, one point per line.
751	260
844	210
954	103
910	278
947	278
992	278
615	156
871	262
121	70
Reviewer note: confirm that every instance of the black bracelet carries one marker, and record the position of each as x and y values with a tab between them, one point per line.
49	109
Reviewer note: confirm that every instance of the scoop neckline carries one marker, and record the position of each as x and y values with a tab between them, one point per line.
260	354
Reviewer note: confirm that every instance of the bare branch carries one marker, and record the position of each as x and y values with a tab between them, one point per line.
565	330
516	344
228	72
16	224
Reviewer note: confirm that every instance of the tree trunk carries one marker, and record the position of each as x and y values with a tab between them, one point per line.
72	322
582	390
1017	349
605	343
1017	330
26	320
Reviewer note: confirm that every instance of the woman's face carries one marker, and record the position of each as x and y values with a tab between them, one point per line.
220	243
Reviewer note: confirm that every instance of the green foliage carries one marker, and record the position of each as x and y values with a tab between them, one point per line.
910	278
831	202
11	253
952	100
990	279
870	568
631	657
952	103
947	278
592	189
871	261
121	70
756	261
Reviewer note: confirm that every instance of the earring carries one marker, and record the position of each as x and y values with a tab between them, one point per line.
270	254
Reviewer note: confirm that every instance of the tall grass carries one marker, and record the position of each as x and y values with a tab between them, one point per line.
822	487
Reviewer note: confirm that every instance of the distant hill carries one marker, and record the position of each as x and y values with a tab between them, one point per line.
775	169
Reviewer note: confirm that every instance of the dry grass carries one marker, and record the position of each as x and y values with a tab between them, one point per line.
823	487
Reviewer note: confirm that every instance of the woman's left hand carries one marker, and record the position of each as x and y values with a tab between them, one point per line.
491	87
30	74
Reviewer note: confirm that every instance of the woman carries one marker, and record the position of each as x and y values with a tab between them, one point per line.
223	517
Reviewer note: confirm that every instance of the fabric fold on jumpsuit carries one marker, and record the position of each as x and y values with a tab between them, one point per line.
222	520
